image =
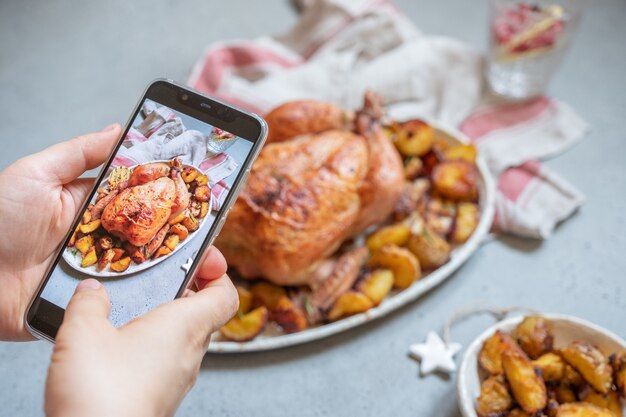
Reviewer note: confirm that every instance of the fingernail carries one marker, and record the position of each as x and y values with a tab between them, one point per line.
88	285
109	127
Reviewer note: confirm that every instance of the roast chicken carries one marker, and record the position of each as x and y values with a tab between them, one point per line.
325	176
135	212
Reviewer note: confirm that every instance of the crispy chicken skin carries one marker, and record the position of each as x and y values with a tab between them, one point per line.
138	213
297	207
307	193
301	117
148	172
181	200
384	182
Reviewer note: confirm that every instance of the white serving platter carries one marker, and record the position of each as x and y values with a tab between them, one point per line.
566	329
393	302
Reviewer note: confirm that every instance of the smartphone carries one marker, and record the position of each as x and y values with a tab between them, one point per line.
158	203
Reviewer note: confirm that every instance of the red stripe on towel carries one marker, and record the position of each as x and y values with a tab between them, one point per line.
514	181
123	161
218	60
483	122
212	162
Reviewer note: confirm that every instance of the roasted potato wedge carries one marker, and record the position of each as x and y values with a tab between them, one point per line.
245	327
572	378
377	285
526	384
121	265
86	217
72	241
414	138
138	255
189	174
162	251
431	249
84	244
494	399
282	310
105	259
582	410
267	294
90	257
535	335
565	394
180	231
191	223
404	265
517	412
551	365
202	193
490	355
104	243
118	253
288	316
618	363
610	401
465	223
204	209
172	241
456	180
245	299
591	363
349	303
466	152
90	227
395	234
202	180
177	219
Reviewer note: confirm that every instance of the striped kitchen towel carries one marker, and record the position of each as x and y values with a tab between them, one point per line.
340	48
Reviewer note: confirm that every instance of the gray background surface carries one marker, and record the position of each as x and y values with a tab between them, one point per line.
71	67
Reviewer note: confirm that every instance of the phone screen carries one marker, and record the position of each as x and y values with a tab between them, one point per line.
160	198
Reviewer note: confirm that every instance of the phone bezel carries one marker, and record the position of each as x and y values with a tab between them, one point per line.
43	318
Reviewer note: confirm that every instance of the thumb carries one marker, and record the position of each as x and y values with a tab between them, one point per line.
89	302
66	161
196	316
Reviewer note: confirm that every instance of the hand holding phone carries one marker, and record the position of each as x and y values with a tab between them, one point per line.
143	368
39	197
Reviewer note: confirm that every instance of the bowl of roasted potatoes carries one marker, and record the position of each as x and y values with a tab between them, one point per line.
544	365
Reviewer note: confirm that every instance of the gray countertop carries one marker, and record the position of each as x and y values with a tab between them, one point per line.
72	67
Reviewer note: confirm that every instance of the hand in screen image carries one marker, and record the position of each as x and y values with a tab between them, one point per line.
39	197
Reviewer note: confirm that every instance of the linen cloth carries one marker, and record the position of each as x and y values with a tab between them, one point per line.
340	48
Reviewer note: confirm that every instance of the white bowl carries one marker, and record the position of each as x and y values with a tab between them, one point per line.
566	329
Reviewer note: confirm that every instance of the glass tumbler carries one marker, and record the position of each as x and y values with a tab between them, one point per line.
528	40
219	141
